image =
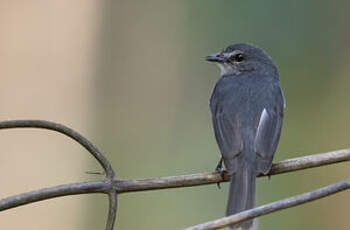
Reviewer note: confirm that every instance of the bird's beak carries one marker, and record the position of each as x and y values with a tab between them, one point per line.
218	57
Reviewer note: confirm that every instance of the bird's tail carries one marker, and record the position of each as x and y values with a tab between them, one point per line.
242	195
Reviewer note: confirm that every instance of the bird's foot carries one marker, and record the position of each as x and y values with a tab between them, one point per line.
221	171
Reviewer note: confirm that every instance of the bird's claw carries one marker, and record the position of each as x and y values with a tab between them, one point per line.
221	171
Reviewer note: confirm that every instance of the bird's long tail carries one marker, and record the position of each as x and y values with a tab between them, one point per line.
242	195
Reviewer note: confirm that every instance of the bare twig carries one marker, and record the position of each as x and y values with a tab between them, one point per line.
274	206
66	131
310	161
112	211
53	192
130	185
291	165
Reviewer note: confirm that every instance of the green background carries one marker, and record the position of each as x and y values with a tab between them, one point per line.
152	94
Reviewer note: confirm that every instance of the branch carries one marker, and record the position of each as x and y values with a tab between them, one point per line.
112	210
291	165
125	186
53	192
274	206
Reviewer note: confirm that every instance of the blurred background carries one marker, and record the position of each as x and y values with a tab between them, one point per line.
131	76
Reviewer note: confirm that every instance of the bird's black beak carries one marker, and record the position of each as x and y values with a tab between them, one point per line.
218	57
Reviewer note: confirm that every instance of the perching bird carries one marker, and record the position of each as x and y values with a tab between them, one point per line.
247	111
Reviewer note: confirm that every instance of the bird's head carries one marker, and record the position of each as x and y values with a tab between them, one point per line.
240	58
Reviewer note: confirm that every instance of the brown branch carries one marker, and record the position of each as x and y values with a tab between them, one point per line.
291	165
274	206
70	189
53	192
112	210
41	124
125	186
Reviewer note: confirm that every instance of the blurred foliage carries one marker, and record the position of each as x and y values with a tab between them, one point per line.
152	90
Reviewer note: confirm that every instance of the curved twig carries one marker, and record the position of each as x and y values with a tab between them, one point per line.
66	131
274	206
68	189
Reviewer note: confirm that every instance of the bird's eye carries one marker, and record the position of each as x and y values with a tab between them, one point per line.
239	57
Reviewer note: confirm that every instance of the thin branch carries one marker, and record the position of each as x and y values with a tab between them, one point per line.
125	186
310	161
66	131
53	192
291	165
112	211
274	206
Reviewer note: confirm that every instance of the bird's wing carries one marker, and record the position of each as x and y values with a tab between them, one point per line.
269	129
227	129
228	134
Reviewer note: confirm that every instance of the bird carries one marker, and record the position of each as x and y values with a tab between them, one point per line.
247	106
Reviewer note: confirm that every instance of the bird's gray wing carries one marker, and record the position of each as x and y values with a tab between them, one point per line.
228	135
227	129
269	129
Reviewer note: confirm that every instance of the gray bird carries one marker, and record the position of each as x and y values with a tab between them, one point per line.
247	112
